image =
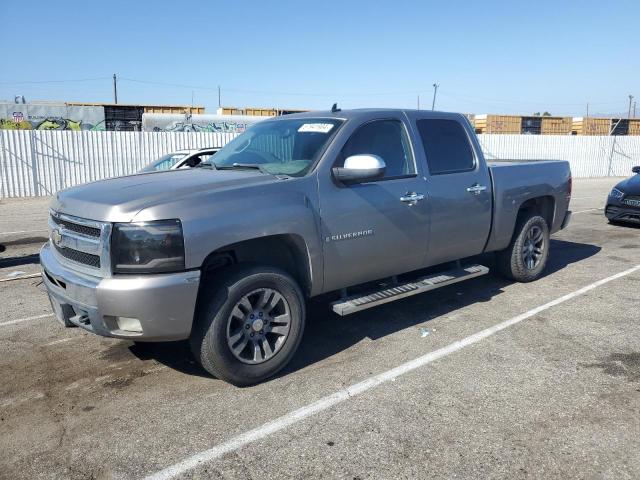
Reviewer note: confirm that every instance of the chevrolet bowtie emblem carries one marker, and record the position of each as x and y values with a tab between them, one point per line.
56	236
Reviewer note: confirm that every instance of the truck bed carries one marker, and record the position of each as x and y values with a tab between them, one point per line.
516	181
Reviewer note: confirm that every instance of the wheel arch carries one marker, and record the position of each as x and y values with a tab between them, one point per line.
288	252
544	206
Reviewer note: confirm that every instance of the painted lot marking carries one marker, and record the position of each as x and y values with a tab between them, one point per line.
28	319
588	197
23	231
587	210
340	396
22	277
64	340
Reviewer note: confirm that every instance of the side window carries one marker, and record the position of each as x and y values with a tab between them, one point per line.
168	162
386	139
446	146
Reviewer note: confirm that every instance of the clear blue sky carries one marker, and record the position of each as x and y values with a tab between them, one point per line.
487	56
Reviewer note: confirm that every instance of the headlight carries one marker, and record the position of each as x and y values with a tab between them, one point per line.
617	194
147	247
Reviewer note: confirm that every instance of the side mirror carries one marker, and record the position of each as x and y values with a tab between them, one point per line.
360	168
636	169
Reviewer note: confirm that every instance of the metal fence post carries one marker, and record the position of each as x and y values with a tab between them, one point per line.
3	156
34	164
611	152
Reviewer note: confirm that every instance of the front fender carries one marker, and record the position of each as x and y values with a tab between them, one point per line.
285	207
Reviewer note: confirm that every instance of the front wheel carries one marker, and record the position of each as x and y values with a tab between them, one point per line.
248	324
526	256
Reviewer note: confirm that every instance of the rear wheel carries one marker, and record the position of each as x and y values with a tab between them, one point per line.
526	256
248	324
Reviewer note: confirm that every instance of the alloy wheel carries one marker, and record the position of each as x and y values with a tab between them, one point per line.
258	326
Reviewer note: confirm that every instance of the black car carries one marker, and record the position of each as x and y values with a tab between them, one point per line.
623	203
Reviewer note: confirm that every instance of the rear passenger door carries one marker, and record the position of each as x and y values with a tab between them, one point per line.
459	190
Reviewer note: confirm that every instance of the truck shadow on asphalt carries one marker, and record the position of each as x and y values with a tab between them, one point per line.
17	260
327	334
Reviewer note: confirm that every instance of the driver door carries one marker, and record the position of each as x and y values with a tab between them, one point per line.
379	228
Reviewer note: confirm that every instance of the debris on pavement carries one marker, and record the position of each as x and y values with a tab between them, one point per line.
15	273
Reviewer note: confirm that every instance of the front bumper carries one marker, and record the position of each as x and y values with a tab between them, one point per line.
163	304
619	212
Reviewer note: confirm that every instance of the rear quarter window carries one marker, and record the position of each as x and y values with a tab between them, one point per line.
446	146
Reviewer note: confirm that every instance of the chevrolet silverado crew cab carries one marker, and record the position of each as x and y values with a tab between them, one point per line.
226	254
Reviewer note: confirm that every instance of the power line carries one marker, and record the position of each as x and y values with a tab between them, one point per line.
503	100
37	82
370	94
446	93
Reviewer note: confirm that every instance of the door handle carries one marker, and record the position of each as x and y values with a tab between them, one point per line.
476	189
412	198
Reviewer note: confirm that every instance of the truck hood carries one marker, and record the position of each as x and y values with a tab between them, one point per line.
120	199
630	186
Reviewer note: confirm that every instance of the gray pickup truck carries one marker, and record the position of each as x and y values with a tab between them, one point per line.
368	205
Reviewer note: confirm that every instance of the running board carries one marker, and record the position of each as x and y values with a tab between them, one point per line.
441	279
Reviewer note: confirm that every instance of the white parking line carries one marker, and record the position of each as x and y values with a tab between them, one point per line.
23	231
56	342
22	277
28	319
590	196
340	396
587	210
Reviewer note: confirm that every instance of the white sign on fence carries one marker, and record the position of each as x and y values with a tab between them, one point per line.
36	163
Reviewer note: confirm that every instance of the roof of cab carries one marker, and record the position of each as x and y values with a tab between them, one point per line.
365	112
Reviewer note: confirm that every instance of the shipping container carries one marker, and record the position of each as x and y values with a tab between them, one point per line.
123	118
591	126
619	126
258	112
505	124
146	108
634	126
531	125
261	112
556	126
188	109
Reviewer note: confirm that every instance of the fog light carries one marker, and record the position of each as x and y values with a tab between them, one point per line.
129	324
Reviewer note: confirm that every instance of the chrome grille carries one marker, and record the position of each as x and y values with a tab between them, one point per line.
81	243
76	227
79	257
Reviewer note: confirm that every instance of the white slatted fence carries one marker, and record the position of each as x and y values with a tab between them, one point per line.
35	163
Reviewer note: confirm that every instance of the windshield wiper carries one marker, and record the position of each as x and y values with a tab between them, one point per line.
249	166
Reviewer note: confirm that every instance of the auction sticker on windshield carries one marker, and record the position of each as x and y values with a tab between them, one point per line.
316	127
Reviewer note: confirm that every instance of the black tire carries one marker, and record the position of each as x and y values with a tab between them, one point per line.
512	263
216	302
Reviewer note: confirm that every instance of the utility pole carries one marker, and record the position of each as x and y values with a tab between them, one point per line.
587	109
634	109
630	100
219	102
115	89
418	101
435	90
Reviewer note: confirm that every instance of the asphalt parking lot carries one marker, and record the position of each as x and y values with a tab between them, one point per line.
552	393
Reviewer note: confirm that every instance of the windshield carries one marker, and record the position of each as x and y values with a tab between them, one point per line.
279	147
164	163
